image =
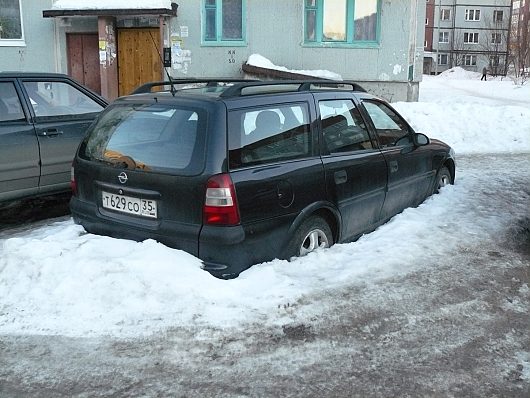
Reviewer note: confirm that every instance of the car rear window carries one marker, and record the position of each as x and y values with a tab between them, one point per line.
148	137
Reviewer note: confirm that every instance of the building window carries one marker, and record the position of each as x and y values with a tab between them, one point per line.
444	37
442	59
472	15
223	21
470	60
494	60
341	21
498	15
445	14
496	38
470	37
11	32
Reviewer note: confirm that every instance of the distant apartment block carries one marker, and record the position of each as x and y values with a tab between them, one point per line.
472	34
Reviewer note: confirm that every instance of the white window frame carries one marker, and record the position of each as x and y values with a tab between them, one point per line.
473	14
442	56
445	14
470	60
443	37
472	36
16	42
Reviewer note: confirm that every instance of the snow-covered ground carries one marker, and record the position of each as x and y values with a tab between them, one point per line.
56	279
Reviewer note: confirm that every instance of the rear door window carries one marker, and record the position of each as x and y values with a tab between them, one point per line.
269	134
149	137
10	106
55	98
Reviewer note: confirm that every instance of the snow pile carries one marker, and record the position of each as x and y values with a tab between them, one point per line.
459	73
471	115
262	62
60	280
110	4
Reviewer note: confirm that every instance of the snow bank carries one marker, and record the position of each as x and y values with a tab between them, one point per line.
109	4
471	115
262	62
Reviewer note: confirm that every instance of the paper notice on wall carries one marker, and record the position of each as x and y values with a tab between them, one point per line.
102	57
184	31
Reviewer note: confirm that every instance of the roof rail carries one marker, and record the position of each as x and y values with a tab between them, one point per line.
273	86
146	88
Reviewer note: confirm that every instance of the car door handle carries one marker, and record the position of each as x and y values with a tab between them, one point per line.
340	177
50	133
393	166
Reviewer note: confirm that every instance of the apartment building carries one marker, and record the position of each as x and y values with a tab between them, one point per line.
471	34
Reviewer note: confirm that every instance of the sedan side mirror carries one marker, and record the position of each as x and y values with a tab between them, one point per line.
421	139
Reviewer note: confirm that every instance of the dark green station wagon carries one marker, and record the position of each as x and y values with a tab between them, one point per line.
242	172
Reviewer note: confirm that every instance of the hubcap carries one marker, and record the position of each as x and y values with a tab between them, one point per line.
315	239
444	180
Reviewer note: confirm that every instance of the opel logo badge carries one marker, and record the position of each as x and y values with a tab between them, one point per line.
123	177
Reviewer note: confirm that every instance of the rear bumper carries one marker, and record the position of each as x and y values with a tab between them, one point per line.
224	251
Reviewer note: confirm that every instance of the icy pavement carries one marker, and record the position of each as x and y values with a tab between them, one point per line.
436	302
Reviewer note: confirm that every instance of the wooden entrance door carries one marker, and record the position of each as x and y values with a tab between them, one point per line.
138	58
83	59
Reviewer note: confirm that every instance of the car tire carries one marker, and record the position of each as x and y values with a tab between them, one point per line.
314	233
442	179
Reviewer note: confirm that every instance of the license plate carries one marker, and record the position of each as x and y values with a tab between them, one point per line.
130	205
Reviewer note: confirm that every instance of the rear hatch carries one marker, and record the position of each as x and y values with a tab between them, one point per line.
140	172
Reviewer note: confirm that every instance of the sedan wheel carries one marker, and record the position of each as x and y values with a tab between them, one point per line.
444	178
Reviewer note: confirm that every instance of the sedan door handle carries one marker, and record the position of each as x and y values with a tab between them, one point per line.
393	166
340	177
50	133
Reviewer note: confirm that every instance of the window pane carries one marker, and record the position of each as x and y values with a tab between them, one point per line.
366	20
389	127
311	21
59	98
10	24
342	127
10	107
334	20
232	20
210	28
268	135
170	142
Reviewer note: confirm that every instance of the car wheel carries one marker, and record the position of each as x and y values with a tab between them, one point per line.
443	179
313	234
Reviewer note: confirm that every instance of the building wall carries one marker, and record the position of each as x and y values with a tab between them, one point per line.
457	25
275	30
38	52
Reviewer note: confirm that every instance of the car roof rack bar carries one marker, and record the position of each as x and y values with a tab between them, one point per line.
303	85
146	88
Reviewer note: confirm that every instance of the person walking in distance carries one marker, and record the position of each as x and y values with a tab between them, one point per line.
484	73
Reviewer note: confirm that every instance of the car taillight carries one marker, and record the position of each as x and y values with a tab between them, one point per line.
220	203
73	183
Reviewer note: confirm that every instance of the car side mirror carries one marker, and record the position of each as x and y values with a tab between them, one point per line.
421	139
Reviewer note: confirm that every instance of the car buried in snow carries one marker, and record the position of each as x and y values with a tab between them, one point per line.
241	172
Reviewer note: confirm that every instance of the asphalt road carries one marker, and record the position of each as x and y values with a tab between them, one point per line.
460	328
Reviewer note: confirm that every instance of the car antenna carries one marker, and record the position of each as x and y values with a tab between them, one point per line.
173	89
